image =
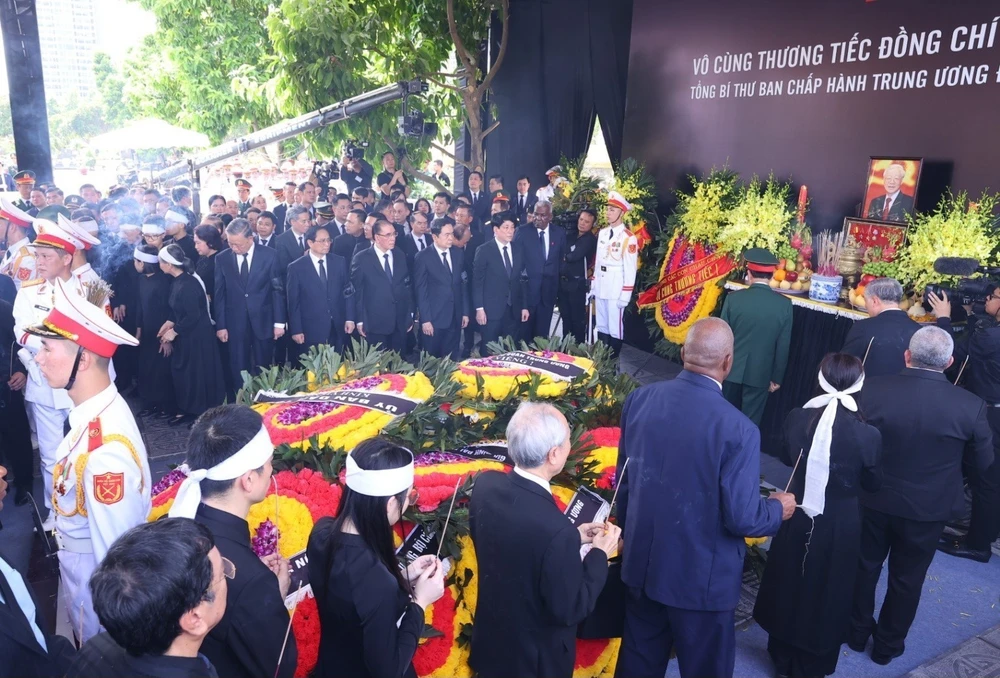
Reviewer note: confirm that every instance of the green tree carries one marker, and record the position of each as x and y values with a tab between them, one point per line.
111	87
72	121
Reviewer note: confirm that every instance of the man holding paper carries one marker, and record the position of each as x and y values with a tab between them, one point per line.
534	588
229	460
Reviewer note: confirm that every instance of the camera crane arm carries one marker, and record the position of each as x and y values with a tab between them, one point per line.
290	128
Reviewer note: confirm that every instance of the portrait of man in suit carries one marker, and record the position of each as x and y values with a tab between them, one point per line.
890	197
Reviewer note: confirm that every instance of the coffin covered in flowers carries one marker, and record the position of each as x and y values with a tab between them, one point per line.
284	519
498	377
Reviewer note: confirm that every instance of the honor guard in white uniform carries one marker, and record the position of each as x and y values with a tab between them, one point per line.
48	407
547	192
101	482
19	261
614	272
82	270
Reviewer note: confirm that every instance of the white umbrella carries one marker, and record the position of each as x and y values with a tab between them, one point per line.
149	133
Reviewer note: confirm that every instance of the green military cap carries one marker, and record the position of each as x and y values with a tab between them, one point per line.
52	212
759	260
243	183
74	201
324	209
24	177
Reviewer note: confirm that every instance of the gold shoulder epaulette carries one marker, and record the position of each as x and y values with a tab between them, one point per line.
32	283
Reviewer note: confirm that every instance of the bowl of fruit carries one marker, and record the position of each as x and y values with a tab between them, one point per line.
794	272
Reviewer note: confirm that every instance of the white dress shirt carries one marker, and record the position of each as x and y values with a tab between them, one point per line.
316	261
381	259
713	380
23	598
418	240
533	478
444	253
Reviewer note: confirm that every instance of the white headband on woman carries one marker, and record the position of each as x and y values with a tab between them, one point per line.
153	229
251	457
818	464
145	257
384	483
165	256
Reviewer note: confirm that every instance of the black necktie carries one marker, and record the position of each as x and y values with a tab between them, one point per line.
322	272
506	261
388	269
541	239
475	198
244	270
522	203
66	427
420	244
444	258
302	244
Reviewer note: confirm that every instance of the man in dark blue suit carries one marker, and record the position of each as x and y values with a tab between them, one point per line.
249	300
685	504
319	310
543	246
381	281
442	292
498	293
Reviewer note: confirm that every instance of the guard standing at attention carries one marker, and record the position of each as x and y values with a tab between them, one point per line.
19	260
761	320
25	181
614	272
101	481
243	204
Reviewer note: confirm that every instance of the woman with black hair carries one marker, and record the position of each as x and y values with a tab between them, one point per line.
208	243
805	596
194	363
371	610
156	386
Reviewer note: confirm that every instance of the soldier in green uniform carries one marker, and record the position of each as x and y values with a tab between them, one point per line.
25	181
243	188
761	320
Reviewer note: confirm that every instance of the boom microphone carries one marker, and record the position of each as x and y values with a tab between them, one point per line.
959	266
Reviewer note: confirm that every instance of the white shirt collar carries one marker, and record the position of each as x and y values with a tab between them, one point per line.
533	478
23	242
501	245
892	196
713	380
91	408
316	259
439	250
380	252
249	254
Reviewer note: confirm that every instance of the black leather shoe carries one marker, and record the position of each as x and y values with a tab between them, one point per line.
960	550
883	659
22	497
856	646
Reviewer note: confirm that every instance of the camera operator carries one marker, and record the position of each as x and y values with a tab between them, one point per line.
983	379
356	172
391	178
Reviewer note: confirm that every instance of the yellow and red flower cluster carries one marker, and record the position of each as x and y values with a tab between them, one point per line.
501	380
341	426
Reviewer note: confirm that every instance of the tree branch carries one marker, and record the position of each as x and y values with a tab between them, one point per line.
423	176
460	74
441	84
484	87
489	129
463	53
451	155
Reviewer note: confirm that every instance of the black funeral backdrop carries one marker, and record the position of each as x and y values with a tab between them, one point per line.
809	91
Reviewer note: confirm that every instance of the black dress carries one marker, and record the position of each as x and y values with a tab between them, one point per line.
359	604
195	363
205	268
156	386
805	597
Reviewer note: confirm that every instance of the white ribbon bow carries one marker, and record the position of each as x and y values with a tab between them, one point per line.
818	464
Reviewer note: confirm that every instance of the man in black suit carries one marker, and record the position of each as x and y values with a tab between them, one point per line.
354	234
24	644
418	239
292	243
281	209
341	206
381	280
581	247
888	331
319	311
480	200
543	246
468	242
442	292
894	205
400	212
927	426
524	199
498	290
534	588
265	230
249	301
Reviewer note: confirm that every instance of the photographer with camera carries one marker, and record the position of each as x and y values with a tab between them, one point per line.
982	377
355	171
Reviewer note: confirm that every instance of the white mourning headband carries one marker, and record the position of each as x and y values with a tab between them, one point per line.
153	229
251	457
89	225
384	483
175	217
164	255
144	257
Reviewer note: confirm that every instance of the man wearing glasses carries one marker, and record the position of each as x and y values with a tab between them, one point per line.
381	280
229	460
881	339
318	311
442	291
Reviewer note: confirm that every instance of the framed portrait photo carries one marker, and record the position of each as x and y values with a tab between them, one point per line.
891	188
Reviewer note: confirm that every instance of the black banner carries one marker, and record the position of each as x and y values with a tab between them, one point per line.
495	451
299	588
420	542
552	368
587	506
371	400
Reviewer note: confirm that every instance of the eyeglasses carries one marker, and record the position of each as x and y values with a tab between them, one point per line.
228	569
412	497
391	234
322	241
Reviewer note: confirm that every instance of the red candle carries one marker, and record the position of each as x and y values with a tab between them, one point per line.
803	198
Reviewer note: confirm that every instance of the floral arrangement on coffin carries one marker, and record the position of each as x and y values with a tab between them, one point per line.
495	378
340	425
956	228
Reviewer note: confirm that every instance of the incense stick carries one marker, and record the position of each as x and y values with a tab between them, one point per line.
961	370
865	359
448	518
288	630
618	486
794	468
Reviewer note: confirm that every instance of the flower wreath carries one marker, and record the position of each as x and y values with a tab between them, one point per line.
340	426
500	379
676	315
